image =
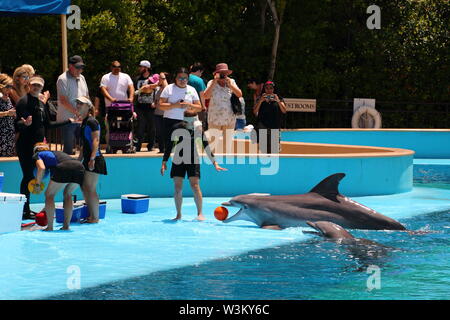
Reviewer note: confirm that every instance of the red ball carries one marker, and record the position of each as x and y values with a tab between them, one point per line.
221	213
41	218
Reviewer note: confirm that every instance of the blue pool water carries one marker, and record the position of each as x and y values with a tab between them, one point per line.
147	257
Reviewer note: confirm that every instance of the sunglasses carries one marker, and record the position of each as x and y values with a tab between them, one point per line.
117	67
8	86
79	67
25	77
182	78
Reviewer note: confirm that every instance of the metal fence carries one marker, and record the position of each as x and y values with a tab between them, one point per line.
338	114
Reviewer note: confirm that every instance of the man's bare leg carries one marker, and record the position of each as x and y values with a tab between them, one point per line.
178	195
195	186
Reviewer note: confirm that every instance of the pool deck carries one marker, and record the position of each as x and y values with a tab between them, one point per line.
297	169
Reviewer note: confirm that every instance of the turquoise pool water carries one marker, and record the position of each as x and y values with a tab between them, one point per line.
147	257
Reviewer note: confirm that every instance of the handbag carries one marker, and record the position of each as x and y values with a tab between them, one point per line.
236	104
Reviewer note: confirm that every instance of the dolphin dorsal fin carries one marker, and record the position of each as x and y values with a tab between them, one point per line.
328	187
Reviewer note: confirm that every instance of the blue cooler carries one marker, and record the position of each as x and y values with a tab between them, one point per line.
135	203
101	210
76	214
1	181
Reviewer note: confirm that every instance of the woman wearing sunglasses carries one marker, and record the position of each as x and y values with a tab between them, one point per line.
177	100
7	115
21	83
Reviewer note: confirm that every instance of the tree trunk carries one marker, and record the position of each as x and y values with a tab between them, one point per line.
273	58
263	15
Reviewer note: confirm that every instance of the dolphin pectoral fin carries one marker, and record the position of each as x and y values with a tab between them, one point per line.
329	187
272	227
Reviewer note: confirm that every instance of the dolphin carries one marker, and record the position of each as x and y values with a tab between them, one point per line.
322	203
329	230
363	250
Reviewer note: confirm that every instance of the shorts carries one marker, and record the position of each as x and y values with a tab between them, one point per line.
70	171
99	165
180	170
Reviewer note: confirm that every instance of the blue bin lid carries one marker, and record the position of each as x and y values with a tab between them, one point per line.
134	196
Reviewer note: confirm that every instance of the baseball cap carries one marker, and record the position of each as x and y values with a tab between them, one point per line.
145	63
77	61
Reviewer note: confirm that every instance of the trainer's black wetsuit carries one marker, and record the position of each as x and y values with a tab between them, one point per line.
89	125
29	105
63	168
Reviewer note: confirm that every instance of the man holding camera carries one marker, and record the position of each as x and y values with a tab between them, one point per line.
268	110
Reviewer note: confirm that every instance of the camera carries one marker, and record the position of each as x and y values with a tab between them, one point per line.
222	76
270	97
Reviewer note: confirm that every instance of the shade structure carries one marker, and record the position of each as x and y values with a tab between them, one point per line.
30	7
35	6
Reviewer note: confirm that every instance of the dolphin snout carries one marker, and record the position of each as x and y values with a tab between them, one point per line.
311	224
227	204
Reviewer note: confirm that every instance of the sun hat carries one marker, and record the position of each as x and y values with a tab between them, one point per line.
269	83
222	67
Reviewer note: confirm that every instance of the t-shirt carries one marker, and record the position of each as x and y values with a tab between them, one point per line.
143	100
116	85
175	94
197	83
71	88
270	114
102	108
89	125
52	158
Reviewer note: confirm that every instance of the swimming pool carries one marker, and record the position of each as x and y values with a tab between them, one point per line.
146	256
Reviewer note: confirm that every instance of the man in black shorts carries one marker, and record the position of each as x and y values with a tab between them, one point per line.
189	165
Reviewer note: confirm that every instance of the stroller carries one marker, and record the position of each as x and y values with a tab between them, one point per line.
120	122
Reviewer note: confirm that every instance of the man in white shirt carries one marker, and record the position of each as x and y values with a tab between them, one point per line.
116	86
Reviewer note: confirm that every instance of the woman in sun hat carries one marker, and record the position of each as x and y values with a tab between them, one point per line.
220	113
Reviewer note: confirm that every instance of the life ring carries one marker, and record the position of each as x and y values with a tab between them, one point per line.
366	117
